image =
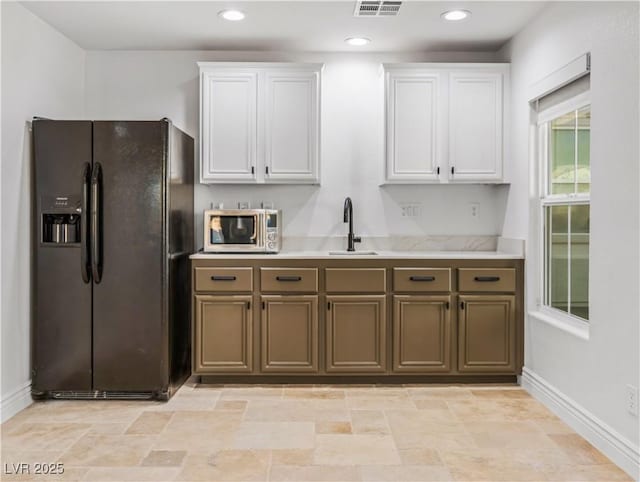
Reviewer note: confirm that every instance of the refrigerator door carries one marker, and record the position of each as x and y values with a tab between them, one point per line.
62	299
129	319
180	204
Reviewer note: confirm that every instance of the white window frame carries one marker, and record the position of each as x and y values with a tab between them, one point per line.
546	313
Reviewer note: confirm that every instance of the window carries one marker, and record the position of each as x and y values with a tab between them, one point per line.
565	174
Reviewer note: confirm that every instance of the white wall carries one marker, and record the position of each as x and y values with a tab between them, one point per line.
592	373
42	74
147	85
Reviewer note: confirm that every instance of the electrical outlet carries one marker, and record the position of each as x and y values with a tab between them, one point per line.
411	210
631	396
474	210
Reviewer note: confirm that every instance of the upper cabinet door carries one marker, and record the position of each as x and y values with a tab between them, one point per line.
414	126
292	127
475	126
259	122
228	126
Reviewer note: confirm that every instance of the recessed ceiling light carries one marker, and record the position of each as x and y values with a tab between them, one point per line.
233	15
456	15
357	41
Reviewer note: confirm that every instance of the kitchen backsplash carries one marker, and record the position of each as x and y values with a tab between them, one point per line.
392	243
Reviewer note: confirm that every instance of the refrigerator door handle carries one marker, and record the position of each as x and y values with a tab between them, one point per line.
96	225
84	224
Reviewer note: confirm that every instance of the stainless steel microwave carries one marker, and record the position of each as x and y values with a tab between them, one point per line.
242	230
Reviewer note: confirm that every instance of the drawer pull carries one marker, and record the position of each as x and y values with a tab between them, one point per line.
289	278
422	278
223	278
487	278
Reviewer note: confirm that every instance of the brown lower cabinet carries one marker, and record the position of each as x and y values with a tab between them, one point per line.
353	320
356	334
289	334
421	334
223	334
487	337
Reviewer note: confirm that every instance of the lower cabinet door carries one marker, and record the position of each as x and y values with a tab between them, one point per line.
289	334
421	334
223	326
356	334
487	333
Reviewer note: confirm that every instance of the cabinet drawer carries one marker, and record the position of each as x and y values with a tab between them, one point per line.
289	280
356	280
421	279
224	279
486	279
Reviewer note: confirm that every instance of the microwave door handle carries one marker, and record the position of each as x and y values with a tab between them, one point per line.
255	227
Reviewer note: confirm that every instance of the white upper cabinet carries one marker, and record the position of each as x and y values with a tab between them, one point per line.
292	128
445	122
229	126
259	122
475	126
414	126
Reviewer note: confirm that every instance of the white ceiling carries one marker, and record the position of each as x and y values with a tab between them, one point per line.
318	26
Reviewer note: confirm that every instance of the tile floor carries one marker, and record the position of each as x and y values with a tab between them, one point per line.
306	433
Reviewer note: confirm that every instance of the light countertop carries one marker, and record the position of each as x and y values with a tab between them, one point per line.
380	255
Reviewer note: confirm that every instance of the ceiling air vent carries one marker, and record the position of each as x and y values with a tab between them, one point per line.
370	8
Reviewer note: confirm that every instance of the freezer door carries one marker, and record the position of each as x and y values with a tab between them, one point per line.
129	319
62	299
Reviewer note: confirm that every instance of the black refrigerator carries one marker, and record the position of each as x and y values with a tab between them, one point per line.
113	231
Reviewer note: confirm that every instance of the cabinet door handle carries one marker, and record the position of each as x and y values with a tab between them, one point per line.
253	170
328	305
487	278
462	305
289	278
446	305
223	278
453	170
248	305
422	278
263	305
438	170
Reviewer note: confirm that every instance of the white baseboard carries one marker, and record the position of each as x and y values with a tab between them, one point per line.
606	439
16	401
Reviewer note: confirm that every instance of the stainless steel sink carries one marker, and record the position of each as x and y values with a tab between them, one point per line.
352	253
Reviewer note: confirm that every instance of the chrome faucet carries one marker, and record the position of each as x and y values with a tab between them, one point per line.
348	218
